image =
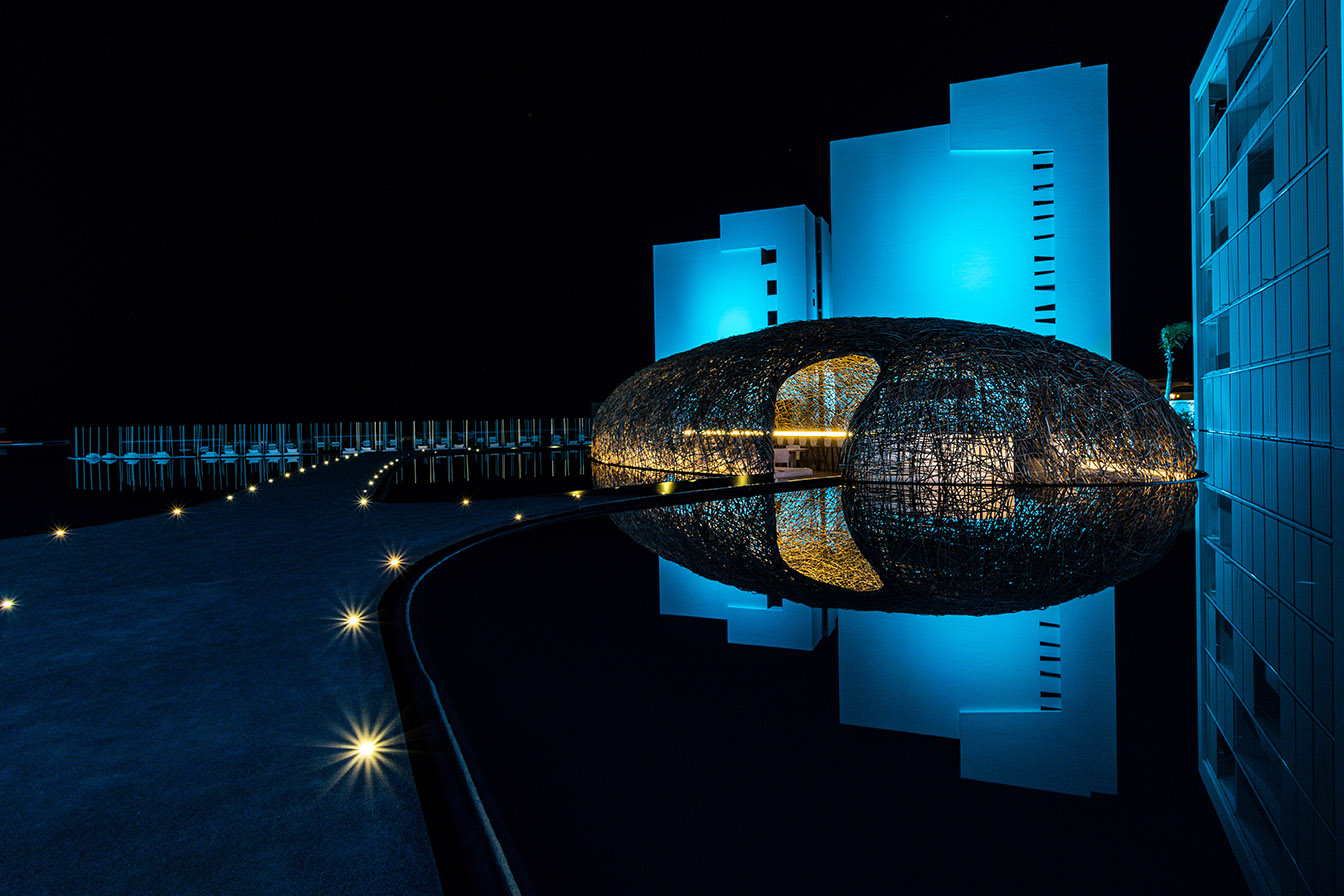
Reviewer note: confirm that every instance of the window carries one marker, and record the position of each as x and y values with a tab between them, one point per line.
1216	98
767	256
771	287
1260	177
1315	102
771	317
1265	695
1222	645
1224	762
1217	215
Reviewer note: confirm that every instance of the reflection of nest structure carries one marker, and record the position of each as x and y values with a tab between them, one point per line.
608	476
973	550
927	401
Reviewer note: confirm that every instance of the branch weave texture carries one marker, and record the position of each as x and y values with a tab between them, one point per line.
933	401
963	550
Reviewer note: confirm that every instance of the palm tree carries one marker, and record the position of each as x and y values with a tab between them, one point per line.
1174	336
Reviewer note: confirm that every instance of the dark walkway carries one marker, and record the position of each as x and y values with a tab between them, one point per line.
171	689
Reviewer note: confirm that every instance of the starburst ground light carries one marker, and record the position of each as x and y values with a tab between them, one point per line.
364	753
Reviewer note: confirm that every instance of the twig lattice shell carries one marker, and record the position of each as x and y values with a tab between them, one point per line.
946	401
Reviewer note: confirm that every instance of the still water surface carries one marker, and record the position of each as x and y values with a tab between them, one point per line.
645	727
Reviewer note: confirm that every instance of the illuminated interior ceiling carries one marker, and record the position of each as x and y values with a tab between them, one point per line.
951	402
821	398
938	550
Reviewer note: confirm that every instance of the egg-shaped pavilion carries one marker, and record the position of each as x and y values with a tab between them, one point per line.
918	400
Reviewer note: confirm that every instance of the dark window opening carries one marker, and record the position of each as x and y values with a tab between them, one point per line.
1045	320
771	287
771	318
1050	307
1259	177
767	256
1224	518
1217	222
1266	698
1225	763
1217	100
1222	640
1254	55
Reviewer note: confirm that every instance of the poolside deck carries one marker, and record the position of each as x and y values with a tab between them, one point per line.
173	689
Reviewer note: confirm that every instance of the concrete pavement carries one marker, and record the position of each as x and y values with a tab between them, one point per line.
177	694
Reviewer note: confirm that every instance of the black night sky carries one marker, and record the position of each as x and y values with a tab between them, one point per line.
373	215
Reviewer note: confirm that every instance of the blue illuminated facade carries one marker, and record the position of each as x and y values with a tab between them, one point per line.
1001	216
1267	209
1031	695
766	267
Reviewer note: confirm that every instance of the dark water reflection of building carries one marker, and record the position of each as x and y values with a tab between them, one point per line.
960	610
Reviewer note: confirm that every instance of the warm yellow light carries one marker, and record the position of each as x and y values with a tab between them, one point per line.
363	500
301	470
466	501
364	751
1173	395
517	516
251	488
393	561
271	479
370	482
58	532
286	475
352	621
176	511
778	433
7	603
228	497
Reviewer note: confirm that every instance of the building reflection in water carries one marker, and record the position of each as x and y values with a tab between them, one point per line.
955	606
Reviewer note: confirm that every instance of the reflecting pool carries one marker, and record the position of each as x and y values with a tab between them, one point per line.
827	690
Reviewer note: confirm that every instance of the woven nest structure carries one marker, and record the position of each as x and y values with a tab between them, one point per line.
940	550
907	400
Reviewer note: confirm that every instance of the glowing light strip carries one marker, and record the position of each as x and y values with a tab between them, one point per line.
789	433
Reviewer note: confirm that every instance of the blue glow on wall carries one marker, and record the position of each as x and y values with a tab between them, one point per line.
711	289
981	679
750	618
988	218
928	232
